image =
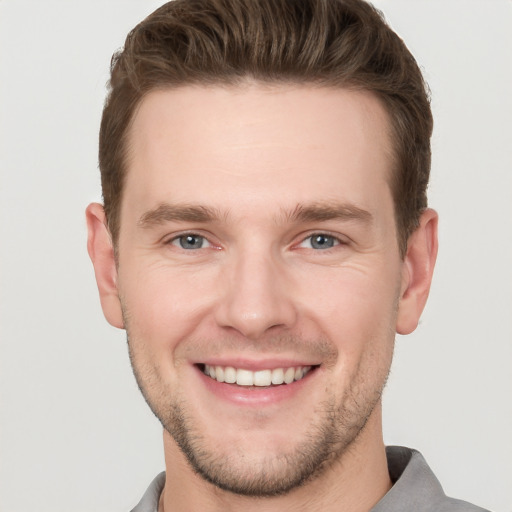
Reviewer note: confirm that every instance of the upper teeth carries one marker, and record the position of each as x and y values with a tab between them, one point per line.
242	377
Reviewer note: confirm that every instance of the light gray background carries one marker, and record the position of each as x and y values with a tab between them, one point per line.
75	434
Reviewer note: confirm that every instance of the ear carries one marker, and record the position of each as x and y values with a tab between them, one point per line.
417	271
101	252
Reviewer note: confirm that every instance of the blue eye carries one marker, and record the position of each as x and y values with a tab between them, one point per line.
190	241
320	241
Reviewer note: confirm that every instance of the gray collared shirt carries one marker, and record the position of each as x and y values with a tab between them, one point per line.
415	488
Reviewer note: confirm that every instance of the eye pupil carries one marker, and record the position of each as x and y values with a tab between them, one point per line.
191	241
322	241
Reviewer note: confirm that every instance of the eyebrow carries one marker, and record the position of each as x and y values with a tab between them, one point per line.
332	211
166	212
315	212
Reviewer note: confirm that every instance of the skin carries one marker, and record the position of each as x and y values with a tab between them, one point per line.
273	166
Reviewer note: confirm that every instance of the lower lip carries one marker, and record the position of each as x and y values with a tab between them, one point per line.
254	395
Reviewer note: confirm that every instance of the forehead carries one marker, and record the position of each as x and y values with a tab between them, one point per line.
199	143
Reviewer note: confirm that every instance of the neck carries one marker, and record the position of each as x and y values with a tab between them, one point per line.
355	482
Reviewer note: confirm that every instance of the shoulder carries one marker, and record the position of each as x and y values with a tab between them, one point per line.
453	505
415	487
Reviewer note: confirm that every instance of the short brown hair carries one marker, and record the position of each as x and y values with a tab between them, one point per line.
332	43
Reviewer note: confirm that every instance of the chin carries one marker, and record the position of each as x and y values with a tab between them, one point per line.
266	462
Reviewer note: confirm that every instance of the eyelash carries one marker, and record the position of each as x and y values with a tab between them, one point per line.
335	240
175	240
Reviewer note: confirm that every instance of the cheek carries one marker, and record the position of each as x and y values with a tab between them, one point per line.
165	304
353	302
356	311
359	319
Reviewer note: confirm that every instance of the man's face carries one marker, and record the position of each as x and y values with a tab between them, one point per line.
258	239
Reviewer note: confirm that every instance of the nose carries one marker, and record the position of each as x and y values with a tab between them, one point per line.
256	296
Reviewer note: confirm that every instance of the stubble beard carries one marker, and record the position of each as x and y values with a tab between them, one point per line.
337	425
323	445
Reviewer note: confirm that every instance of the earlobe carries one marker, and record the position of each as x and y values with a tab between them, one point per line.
101	252
418	268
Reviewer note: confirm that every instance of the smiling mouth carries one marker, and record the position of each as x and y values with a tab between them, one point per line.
260	378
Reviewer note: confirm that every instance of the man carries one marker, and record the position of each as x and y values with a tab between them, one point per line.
264	235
